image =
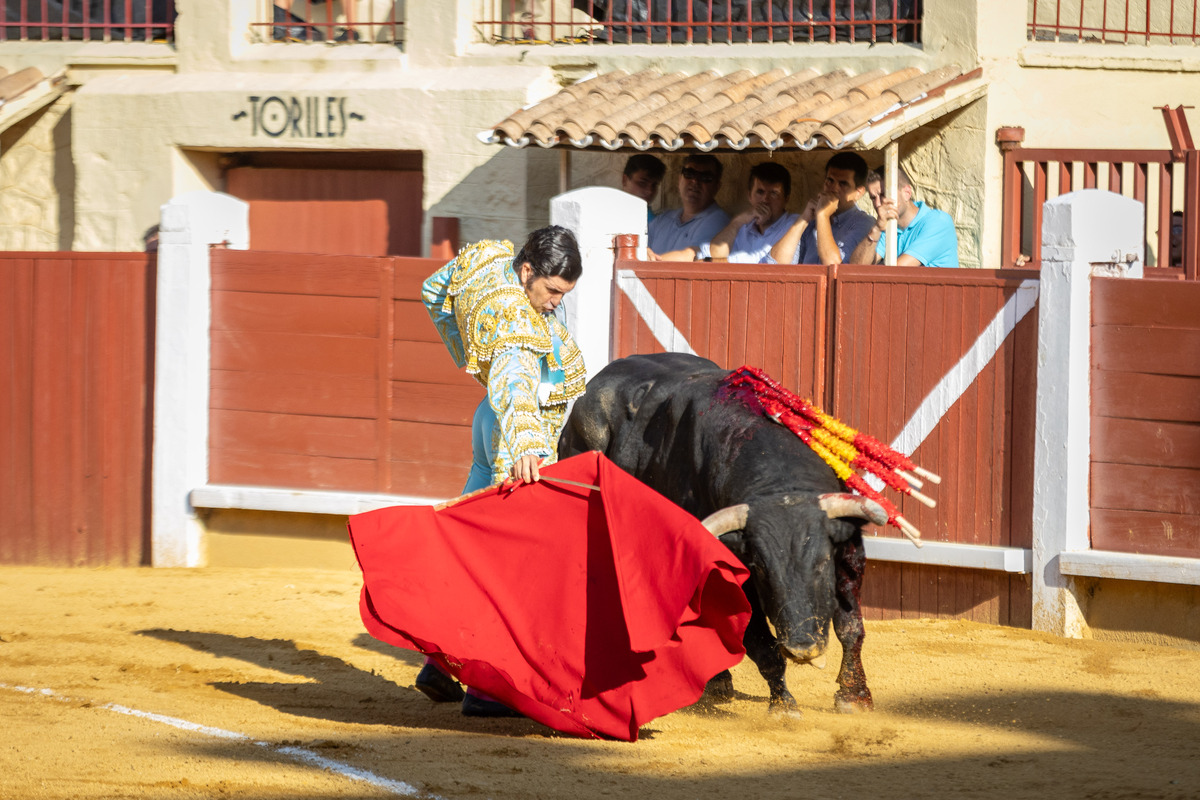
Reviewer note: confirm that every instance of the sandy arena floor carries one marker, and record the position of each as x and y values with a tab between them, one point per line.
249	683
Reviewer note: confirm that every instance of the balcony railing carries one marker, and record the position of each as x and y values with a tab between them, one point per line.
88	20
329	21
698	21
1114	21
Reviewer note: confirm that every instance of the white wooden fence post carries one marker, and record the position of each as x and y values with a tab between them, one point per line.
1084	233
190	223
596	215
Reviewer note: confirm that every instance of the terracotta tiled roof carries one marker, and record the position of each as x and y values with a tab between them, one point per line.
26	90
13	84
744	109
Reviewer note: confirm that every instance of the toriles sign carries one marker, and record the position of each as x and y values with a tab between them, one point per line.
313	117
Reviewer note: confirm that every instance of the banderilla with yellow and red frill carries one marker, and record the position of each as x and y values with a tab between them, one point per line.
843	448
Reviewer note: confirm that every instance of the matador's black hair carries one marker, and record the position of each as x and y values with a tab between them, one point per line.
551	252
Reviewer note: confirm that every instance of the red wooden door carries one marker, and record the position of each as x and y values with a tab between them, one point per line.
361	212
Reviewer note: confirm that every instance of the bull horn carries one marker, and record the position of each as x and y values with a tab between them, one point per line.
853	505
730	518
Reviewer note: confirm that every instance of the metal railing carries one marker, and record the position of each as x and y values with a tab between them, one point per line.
88	20
1152	177
1114	21
1166	182
329	21
697	21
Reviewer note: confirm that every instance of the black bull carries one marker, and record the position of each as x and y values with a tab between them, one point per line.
665	419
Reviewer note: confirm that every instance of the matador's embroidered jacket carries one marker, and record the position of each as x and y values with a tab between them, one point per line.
526	360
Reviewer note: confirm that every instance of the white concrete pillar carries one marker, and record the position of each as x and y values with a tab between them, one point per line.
1083	233
596	215
190	223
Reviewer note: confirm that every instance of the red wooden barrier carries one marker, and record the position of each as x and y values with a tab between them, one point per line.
1145	413
77	354
899	334
327	374
767	315
870	344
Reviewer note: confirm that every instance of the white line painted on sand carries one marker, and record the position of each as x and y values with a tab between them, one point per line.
297	753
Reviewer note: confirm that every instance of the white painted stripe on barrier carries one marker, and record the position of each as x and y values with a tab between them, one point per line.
656	319
952	385
301	754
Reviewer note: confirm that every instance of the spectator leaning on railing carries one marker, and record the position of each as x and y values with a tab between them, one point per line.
832	224
749	236
926	236
676	235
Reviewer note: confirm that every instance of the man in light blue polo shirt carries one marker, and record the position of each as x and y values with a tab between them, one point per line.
926	236
676	235
749	236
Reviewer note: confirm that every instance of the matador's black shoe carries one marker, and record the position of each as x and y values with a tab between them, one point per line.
438	686
478	707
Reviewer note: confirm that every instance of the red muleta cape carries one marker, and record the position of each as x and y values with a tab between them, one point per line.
590	612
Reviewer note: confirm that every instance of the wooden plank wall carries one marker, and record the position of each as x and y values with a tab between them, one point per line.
1145	472
325	371
891	337
76	345
897	333
433	401
769	316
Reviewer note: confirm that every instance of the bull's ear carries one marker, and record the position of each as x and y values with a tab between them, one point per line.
735	541
842	530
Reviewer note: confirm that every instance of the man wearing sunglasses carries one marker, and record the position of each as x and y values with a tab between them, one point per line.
677	234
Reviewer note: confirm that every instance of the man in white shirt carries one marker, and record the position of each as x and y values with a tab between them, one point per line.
676	235
749	236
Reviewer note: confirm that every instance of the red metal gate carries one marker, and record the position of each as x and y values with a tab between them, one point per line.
1033	176
76	342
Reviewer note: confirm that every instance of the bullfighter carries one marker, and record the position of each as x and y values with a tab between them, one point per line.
495	313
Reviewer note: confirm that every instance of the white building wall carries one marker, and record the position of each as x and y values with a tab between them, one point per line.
146	112
35	164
